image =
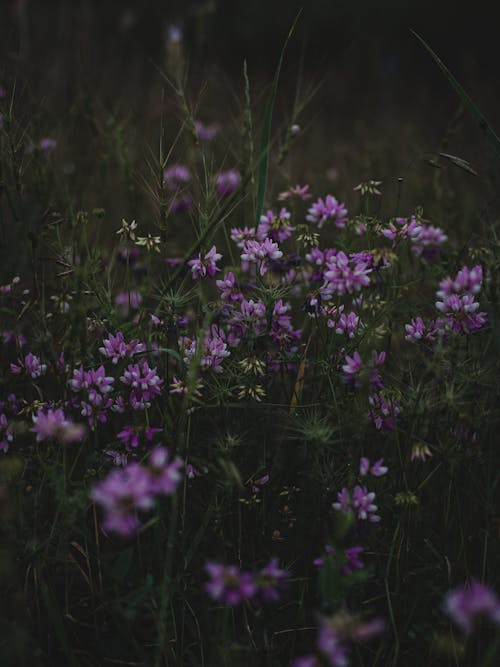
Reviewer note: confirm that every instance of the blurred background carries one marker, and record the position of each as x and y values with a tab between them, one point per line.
369	101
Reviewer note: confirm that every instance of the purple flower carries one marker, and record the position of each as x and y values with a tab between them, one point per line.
330	644
239	236
32	366
327	209
320	561
406	229
427	241
346	324
115	347
271	581
275	226
377	470
228	584
165	474
465	606
306	661
204	132
345	274
457	300
125	299
53	424
6	434
260	253
352	560
360	503
47	145
122	494
206	266
228	287
145	384
352	366
176	176
299	191
227	182
383	411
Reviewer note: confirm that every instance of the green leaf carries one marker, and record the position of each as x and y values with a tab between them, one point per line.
459	162
467	101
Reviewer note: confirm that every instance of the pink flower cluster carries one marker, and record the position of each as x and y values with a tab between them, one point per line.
127	491
206	266
52	424
358	503
327	209
32	366
334	635
232	586
115	348
345	274
467	605
95	386
261	253
145	384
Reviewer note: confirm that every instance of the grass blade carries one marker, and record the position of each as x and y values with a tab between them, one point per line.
266	131
467	101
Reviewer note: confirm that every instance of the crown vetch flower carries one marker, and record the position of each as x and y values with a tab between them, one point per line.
115	347
165	473
271	581
122	494
145	384
50	423
206	266
466	606
227	182
327	209
228	584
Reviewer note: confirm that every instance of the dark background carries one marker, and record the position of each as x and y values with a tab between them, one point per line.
381	107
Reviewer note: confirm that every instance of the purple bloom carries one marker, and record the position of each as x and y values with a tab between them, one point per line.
299	191
352	557
378	469
346	324
227	182
115	347
330	644
124	299
360	503
427	241
275	226
122	494
145	384
306	661
465	606
6	434
327	209
165	473
345	275
457	300
383	411
260	253
176	176
47	145
271	581
228	287
53	424
32	366
204	132
406	229
239	236
206	266
228	584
